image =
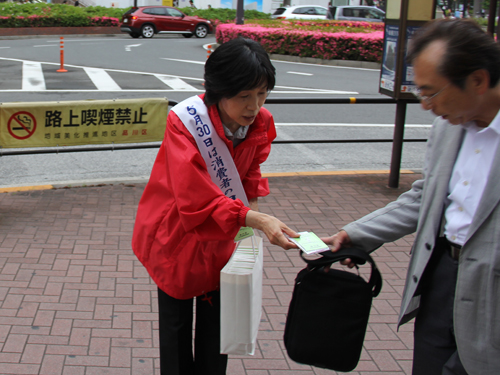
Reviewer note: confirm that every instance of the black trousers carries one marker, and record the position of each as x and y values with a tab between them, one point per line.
435	348
176	336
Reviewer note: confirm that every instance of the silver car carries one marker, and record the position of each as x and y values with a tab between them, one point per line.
303	12
356	13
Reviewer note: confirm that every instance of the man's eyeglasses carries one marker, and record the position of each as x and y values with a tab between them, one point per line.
424	98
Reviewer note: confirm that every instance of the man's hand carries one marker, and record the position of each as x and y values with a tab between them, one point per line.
273	228
338	241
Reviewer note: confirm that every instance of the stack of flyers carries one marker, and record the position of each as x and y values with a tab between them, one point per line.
242	260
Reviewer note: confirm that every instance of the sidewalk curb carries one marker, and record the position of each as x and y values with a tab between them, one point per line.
43	32
143	180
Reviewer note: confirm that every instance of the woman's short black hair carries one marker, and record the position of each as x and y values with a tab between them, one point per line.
238	65
468	48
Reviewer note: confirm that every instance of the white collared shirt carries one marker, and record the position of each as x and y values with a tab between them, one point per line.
238	136
469	177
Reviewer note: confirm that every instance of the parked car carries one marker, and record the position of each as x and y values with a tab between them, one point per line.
307	12
356	13
146	21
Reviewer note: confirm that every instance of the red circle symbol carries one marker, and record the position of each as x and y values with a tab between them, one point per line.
21	125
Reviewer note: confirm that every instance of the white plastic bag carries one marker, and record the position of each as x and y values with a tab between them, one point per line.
241	298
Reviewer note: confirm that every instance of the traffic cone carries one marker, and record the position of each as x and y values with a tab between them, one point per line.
62	70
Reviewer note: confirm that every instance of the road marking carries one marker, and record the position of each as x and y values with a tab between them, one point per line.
186	61
349	125
308	91
33	79
300	74
324	66
176	83
102	80
71	40
4	47
122	90
46	45
277	90
128	48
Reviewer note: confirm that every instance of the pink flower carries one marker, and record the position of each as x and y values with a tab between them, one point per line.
365	46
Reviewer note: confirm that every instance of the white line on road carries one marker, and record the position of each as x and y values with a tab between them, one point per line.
128	47
349	125
46	45
109	70
323	66
4	47
277	90
102	80
300	74
186	61
33	79
68	40
303	90
176	83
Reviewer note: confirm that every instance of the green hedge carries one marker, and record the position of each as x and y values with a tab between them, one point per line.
70	13
57	10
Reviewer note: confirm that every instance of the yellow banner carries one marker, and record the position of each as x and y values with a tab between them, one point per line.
71	123
168	3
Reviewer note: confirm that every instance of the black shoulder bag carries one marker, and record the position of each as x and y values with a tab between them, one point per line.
329	311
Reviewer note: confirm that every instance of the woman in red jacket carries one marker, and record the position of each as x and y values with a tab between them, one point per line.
203	188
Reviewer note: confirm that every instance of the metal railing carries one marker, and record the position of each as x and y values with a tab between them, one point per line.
397	140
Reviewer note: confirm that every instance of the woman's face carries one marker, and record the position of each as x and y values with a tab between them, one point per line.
241	110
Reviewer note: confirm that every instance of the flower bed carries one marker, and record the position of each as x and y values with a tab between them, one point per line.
287	40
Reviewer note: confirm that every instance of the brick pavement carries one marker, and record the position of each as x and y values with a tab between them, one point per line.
75	301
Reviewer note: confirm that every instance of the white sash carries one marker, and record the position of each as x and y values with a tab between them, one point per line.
220	165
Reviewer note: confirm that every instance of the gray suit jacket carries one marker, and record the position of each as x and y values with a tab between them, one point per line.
477	297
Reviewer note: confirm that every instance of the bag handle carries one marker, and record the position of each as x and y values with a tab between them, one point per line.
358	256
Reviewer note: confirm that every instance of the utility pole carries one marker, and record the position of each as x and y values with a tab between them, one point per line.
240	13
478	6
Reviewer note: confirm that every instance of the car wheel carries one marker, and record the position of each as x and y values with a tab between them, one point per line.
201	31
187	35
135	35
148	31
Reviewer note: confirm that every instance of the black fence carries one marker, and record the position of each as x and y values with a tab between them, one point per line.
397	140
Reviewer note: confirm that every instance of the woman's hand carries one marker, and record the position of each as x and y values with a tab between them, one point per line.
273	228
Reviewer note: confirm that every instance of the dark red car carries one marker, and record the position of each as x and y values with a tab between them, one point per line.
147	21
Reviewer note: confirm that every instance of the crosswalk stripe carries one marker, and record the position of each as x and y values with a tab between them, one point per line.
176	83
33	79
102	80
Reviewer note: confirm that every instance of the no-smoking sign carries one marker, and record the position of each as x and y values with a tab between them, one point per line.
21	125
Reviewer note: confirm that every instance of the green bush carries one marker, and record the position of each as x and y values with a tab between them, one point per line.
51	15
57	10
62	10
224	14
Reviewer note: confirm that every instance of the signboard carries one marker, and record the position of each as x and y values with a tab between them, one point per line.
403	19
389	58
71	123
407	84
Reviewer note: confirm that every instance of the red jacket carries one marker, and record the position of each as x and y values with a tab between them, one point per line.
185	226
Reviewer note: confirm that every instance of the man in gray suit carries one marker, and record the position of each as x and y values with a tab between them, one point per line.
453	281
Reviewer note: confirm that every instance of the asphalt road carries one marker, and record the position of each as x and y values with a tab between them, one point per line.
136	68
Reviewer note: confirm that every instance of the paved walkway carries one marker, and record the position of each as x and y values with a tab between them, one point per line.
75	301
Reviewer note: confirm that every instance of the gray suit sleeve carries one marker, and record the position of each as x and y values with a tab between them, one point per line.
388	224
395	220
